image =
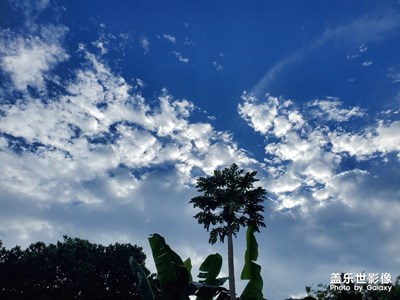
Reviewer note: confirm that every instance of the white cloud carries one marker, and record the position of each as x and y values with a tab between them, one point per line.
27	59
188	42
101	45
332	110
31	9
363	48
304	154
145	43
170	38
105	40
351	56
259	115
383	138
394	74
72	143
367	63
218	66
181	57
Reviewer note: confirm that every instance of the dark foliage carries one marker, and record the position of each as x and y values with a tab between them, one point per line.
228	197
71	269
227	202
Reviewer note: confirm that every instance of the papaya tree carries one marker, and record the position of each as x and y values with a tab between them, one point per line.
227	202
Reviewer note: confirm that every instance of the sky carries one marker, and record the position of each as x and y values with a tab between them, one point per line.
110	111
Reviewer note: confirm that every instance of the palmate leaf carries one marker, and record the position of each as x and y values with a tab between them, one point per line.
251	271
210	268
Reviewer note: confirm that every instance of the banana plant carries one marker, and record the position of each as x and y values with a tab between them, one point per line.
144	287
172	273
175	277
251	271
209	285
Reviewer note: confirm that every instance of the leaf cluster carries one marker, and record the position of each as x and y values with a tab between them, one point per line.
174	275
228	198
70	269
176	281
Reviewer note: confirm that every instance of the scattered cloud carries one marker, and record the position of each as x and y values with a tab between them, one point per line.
363	48
218	66
102	46
305	148
108	41
352	56
28	59
181	57
367	63
362	30
170	38
394	74
332	110
30	9
145	43
381	139
139	83
188	42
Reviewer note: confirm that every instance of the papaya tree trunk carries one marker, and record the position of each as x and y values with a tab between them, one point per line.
231	270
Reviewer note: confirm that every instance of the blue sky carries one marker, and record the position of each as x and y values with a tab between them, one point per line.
111	110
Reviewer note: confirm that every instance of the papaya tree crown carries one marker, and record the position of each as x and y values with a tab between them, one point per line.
228	198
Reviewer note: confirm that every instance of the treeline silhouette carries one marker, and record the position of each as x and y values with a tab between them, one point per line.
71	269
78	269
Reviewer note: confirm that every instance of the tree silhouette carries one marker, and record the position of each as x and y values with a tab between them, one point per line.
228	202
71	269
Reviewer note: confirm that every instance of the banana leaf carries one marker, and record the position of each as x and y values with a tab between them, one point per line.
188	265
172	273
166	260
144	287
251	271
210	268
